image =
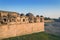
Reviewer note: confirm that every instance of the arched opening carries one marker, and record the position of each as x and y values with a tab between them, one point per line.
5	20
23	20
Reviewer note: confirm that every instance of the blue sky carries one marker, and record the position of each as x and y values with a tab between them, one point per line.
47	8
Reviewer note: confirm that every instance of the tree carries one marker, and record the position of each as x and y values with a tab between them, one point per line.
47	18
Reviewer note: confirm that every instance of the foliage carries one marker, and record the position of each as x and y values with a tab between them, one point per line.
47	18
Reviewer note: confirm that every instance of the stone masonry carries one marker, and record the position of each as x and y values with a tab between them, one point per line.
13	24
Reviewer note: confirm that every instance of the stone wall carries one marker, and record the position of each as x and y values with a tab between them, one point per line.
12	30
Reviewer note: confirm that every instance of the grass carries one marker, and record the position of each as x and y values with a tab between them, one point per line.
35	36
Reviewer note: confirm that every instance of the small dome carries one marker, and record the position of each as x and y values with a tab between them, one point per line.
41	16
29	14
37	15
21	14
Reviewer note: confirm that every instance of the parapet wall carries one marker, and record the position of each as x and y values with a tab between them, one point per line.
12	30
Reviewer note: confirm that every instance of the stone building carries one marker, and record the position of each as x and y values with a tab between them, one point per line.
14	17
37	19
14	24
3	17
24	19
41	18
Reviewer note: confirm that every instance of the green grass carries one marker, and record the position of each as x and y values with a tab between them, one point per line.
36	36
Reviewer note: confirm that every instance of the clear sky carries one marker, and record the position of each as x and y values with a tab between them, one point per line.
48	8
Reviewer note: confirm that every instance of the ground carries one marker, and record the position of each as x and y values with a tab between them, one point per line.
36	36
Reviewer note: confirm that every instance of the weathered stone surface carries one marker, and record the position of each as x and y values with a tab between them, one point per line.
10	17
12	30
13	24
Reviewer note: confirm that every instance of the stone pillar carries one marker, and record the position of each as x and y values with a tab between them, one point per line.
18	19
37	19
